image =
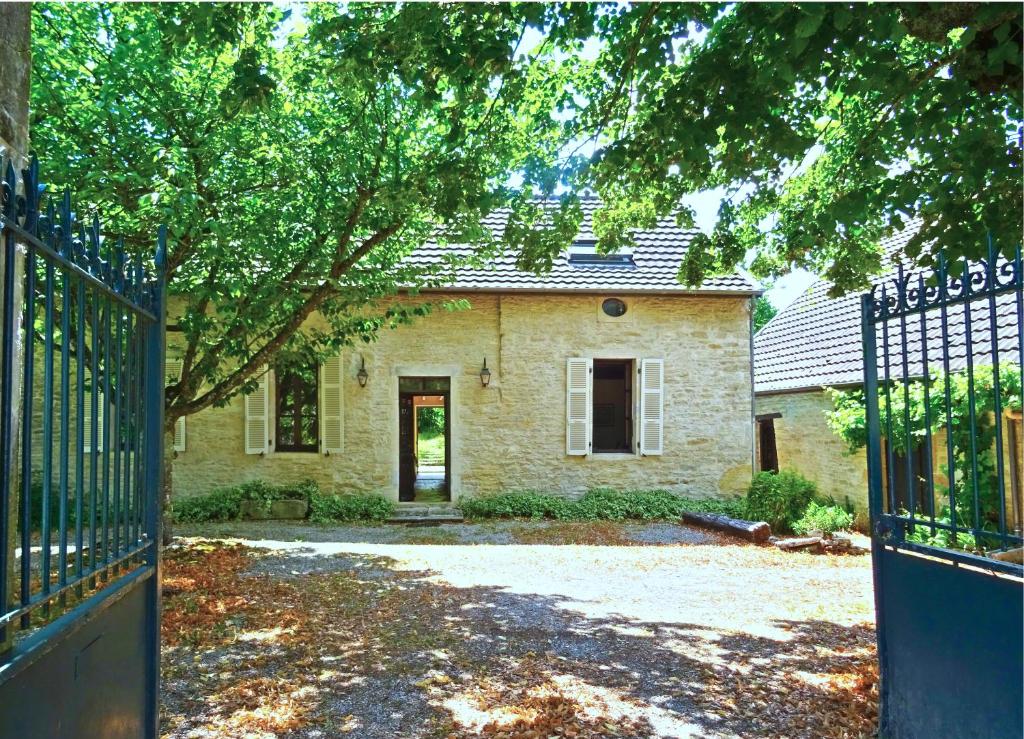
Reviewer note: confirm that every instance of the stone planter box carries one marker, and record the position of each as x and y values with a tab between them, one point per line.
279	509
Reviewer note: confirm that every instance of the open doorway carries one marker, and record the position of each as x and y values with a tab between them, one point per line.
424	439
613	406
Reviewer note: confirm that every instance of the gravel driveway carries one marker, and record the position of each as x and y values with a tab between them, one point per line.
370	632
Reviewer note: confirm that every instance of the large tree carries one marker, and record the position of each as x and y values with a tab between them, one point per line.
829	126
295	170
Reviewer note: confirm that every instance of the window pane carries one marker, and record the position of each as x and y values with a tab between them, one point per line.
297	415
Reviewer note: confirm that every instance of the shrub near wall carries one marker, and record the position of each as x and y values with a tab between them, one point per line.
226	504
779	498
597	504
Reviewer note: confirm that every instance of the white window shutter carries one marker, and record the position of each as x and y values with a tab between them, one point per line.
332	406
578	374
87	422
652	402
257	415
173	371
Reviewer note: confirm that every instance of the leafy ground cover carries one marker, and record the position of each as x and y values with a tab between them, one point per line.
350	637
596	504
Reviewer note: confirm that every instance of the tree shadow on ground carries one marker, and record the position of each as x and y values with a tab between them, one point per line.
353	646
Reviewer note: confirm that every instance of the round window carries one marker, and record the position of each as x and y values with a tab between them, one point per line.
613	307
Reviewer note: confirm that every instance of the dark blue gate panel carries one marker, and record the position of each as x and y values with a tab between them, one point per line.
952	651
91	683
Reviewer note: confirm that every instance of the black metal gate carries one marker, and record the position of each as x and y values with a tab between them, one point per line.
943	352
81	417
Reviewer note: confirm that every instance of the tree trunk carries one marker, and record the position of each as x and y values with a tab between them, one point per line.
166	521
15	67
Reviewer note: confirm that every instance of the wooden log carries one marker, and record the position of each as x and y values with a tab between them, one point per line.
755	531
791	544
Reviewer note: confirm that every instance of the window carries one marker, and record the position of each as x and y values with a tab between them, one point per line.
613	405
613	307
297	420
309	408
767	451
584	253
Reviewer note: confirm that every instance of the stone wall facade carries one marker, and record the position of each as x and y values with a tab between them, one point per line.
807	445
512	434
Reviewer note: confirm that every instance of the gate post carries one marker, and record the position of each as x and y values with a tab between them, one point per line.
153	383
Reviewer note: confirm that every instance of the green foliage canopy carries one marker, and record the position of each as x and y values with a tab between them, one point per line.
916	411
764	311
296	172
829	125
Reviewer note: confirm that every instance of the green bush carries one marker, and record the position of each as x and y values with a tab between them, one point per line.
220	505
780	498
36	505
515	505
823	517
597	504
224	504
326	508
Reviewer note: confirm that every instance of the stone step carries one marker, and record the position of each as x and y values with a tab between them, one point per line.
423	513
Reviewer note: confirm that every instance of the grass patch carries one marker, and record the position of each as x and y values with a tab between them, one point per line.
430	449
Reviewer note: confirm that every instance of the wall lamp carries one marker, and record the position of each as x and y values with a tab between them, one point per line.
485	374
362	375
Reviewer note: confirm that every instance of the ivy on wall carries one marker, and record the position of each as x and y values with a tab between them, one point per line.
912	412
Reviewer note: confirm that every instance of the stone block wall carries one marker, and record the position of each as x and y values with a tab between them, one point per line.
807	445
511	435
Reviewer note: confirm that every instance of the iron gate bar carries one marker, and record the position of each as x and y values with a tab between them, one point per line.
997	398
109	317
930	480
921	642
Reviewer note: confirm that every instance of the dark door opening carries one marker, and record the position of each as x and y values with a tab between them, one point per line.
424	433
613	406
767	451
915	495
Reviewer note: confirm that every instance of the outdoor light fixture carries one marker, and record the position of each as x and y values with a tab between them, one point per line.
362	375
485	375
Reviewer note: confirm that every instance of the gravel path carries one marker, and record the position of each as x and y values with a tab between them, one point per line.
687	634
487	532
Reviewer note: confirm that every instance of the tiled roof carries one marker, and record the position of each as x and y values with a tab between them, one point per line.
816	341
657	255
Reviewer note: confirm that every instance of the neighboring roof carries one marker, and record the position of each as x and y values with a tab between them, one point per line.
816	341
657	255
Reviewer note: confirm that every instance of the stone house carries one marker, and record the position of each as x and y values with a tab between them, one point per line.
815	344
604	372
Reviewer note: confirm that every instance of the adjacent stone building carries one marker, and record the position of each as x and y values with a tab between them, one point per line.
606	372
815	345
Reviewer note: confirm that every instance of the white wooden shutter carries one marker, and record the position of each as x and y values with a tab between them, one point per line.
87	422
578	374
652	401
173	371
332	406
257	416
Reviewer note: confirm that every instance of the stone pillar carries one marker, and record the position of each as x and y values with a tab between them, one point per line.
15	67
